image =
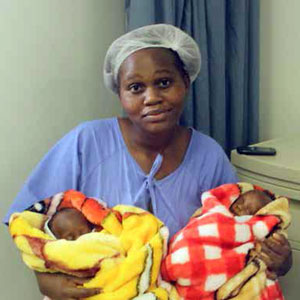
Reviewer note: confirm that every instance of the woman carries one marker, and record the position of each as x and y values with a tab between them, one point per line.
146	159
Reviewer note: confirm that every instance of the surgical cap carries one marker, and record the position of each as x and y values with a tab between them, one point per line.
151	36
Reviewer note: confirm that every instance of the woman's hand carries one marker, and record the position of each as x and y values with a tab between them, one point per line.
277	254
63	287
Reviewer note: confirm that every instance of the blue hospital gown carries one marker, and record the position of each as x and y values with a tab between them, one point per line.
93	158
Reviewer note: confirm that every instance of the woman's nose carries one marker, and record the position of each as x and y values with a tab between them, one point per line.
152	96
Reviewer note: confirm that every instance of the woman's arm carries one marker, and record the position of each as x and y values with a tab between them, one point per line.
277	254
63	287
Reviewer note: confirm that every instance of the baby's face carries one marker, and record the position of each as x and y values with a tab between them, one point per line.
69	224
249	203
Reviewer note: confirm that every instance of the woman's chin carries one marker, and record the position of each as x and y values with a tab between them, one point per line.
158	127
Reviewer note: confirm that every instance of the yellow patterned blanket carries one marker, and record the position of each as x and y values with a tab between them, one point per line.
123	256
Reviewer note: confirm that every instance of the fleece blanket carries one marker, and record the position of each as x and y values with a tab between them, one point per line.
123	256
215	255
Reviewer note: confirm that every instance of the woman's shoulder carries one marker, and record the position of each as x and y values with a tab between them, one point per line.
97	126
103	133
95	136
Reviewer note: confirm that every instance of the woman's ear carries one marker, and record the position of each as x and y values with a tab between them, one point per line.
187	82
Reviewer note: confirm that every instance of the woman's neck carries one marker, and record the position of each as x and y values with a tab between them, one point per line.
148	142
144	147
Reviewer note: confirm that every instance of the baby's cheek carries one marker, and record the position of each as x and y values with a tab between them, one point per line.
76	236
83	231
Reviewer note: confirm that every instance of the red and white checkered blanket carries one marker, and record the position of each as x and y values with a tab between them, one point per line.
211	257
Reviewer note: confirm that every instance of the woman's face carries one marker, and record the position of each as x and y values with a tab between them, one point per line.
152	89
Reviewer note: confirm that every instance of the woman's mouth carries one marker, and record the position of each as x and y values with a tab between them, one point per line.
157	115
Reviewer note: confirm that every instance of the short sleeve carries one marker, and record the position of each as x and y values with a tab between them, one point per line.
224	171
58	171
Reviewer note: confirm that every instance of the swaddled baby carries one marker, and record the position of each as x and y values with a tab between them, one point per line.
216	255
122	258
68	224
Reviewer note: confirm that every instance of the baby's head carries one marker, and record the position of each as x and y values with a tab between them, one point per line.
249	203
69	224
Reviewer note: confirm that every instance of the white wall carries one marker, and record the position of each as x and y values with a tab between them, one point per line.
51	58
280	68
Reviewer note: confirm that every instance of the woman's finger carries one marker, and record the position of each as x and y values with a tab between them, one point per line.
273	245
77	293
271	258
79	281
280	238
271	275
268	248
279	244
266	259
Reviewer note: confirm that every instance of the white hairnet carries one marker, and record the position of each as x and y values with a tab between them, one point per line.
151	36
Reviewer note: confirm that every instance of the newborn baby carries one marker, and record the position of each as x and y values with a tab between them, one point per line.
215	256
249	203
68	224
122	259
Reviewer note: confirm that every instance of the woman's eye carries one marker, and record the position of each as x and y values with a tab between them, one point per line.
164	83
135	88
